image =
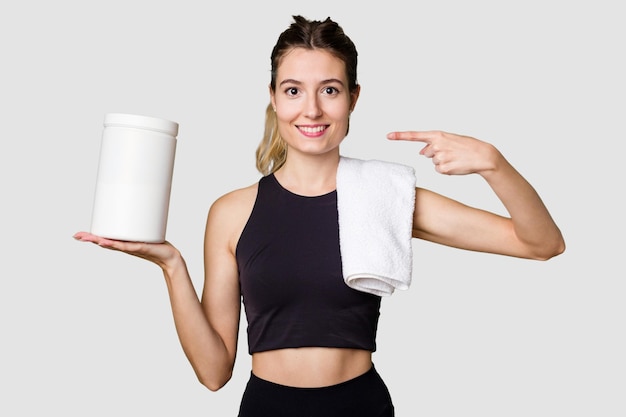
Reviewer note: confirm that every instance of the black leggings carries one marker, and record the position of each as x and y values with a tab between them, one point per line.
364	396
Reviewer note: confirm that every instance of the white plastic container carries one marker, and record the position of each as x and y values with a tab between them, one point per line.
134	178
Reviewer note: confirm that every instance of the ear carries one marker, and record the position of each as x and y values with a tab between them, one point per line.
272	96
354	96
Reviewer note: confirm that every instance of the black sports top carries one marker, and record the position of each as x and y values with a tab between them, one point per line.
290	276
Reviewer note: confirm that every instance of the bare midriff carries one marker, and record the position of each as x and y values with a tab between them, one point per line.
311	367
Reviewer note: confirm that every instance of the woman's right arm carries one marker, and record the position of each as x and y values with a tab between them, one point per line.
207	328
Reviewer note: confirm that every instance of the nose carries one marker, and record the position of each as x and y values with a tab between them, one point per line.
312	107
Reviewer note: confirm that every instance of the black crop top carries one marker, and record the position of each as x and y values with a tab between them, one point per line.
290	276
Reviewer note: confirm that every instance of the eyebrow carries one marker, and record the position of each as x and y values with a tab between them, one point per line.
327	81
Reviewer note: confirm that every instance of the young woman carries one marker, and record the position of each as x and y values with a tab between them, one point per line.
274	244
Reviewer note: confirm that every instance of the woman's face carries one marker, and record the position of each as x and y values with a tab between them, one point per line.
312	101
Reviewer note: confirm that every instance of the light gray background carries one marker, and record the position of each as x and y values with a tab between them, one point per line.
88	332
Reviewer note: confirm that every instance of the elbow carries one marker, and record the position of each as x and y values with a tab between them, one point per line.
213	387
215	382
551	250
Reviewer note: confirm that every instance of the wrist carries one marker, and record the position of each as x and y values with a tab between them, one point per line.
494	162
173	265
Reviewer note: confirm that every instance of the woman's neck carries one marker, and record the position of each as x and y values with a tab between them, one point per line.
309	175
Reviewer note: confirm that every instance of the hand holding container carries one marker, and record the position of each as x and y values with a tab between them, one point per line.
134	178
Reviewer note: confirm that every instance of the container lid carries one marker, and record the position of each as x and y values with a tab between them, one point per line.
141	122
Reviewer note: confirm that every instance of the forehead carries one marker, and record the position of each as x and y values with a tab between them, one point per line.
302	64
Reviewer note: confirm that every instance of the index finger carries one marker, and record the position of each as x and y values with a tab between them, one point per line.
411	135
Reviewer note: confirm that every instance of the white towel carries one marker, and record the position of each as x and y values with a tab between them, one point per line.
375	204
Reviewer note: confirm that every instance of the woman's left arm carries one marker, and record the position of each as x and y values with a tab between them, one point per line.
529	232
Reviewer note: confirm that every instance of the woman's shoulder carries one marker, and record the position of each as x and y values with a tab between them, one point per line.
229	214
236	202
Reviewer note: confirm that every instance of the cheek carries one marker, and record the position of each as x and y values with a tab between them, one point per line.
338	110
286	113
284	120
339	115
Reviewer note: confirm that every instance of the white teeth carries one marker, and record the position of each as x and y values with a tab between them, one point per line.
316	129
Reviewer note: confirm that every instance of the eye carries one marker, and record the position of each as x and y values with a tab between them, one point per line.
330	91
292	91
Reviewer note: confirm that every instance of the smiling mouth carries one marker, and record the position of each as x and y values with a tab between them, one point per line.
312	130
